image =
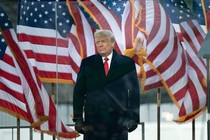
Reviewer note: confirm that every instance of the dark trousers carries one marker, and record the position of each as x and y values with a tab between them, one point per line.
107	136
105	124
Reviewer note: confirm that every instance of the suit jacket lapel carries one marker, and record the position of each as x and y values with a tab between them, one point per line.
100	65
114	64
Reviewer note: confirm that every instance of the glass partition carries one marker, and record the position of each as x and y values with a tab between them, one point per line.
45	42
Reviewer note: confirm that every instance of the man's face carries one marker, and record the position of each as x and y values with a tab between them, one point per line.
104	45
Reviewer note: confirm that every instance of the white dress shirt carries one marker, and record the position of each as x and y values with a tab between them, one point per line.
110	59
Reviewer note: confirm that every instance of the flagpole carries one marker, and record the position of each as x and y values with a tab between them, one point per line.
208	123
193	129
56	27
158	113
18	129
53	99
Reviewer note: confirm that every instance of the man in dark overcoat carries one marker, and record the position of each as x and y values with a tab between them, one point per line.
106	104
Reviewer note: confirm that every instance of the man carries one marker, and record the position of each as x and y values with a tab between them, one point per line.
108	99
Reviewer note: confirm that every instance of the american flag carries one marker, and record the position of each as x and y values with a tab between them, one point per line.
12	98
163	62
201	9
42	31
81	40
193	103
39	107
39	31
5	25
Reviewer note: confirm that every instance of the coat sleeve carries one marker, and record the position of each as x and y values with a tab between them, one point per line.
134	95
79	93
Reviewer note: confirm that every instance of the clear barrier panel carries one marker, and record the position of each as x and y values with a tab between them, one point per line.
45	43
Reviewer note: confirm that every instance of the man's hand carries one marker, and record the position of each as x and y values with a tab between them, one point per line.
79	126
131	125
127	124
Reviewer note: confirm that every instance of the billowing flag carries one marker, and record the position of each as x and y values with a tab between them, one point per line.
81	41
5	25
42	31
40	108
12	98
164	58
191	36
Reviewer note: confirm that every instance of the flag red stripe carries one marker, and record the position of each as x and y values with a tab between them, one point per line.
11	108
42	40
128	28
197	69
179	95
75	41
142	14
14	93
7	59
153	85
79	27
52	119
10	76
75	67
194	95
48	58
179	74
208	19
53	75
156	26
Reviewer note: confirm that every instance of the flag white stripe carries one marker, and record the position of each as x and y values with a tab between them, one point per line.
8	68
74	54
43	66
90	46
194	57
187	102
35	31
191	35
8	83
11	99
201	30
159	37
44	49
124	19
149	16
199	89
28	95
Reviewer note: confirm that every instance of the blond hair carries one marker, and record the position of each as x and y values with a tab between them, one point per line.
105	33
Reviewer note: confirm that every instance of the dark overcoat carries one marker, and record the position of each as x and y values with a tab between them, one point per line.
105	102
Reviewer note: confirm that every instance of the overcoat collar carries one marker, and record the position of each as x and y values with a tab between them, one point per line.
113	63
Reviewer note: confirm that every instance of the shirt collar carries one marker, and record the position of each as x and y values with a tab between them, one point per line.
109	56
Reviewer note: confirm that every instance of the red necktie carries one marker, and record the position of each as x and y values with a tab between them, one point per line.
106	65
